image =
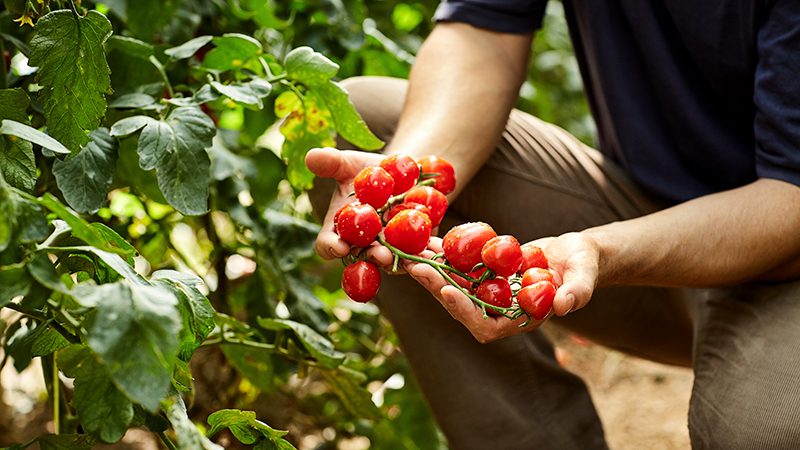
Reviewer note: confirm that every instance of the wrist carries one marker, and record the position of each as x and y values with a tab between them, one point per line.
604	240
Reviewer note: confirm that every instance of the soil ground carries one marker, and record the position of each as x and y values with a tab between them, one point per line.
642	404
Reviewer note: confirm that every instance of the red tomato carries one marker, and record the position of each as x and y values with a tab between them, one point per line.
445	181
533	256
537	299
361	281
403	206
404	170
373	186
495	292
409	231
537	274
358	224
430	197
503	255
463	243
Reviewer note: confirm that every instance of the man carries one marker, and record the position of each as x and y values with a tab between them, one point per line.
677	241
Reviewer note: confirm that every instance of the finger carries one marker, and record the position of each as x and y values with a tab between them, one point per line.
330	246
435	244
575	291
341	165
381	256
484	329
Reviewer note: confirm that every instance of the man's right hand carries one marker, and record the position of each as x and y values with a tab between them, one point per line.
342	166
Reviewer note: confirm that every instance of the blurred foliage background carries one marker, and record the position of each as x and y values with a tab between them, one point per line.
261	263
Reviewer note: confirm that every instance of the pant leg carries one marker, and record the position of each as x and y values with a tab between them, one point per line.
746	393
512	394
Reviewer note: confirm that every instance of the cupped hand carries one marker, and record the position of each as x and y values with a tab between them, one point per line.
573	257
342	166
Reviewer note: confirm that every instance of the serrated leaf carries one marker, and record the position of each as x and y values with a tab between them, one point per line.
84	178
176	149
189	437
243	425
80	228
293	237
103	410
134	333
203	95
74	75
299	139
135	100
253	364
14	281
349	123
31	221
131	47
231	51
311	68
14	105
47	342
130	125
249	94
346	385
197	316
317	345
65	442
20	130
188	48
17	163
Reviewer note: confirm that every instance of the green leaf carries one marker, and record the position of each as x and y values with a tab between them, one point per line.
293	237
346	384
47	342
130	125
65	442
311	68
243	425
20	130
196	312
250	94
188	48
349	123
135	100
131	47
17	163
84	178
253	364
8	212
148	17
232	51
81	229
317	346
31	221
303	130
74	75
103	410
176	149
14	281
189	437
134	333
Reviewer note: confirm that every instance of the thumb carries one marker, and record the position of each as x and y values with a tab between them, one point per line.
579	281
341	165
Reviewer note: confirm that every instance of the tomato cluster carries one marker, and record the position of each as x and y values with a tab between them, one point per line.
404	199
495	265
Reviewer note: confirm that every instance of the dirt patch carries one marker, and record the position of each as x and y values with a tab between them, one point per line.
642	404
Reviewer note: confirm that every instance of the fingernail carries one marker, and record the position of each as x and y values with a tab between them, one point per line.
570	303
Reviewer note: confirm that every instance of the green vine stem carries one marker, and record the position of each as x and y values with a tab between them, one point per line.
166	441
442	269
56	398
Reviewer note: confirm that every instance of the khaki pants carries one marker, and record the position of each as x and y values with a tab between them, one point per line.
742	342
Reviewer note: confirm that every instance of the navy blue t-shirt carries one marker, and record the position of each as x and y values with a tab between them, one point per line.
690	97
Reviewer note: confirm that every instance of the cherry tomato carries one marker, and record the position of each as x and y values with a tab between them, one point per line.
533	256
495	292
409	231
361	281
358	224
445	181
463	243
503	255
387	216
537	299
433	199
404	170
537	274
373	186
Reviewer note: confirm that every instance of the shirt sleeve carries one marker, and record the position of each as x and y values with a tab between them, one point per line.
777	94
505	16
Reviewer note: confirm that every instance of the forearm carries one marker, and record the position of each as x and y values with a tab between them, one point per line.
748	233
462	86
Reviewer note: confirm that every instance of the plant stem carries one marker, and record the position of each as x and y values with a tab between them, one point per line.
167	441
56	397
163	73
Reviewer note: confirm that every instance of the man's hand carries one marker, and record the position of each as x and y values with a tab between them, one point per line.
573	257
342	166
